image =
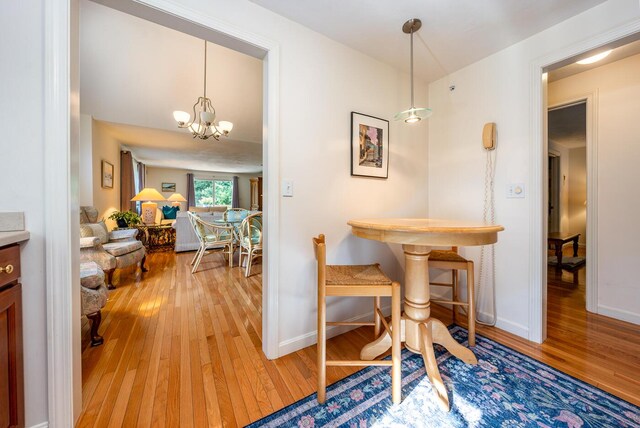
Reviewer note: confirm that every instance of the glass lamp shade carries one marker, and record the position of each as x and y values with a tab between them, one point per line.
413	115
181	116
225	126
196	128
148	194
207	117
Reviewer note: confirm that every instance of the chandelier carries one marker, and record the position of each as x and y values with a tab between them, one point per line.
414	114
202	124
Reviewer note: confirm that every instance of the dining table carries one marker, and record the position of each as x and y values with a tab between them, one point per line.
419	330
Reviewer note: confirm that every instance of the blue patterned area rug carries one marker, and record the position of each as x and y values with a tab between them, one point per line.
506	389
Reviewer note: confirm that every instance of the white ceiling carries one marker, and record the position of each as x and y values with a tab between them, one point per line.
617	53
458	32
175	149
135	73
568	126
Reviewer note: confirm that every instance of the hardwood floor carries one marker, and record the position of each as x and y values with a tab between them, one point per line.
185	350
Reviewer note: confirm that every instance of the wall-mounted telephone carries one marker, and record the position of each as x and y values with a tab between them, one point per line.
486	288
489	136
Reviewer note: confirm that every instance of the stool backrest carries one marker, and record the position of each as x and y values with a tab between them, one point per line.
320	250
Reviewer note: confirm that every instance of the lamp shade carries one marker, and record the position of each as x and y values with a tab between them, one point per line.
148	194
176	197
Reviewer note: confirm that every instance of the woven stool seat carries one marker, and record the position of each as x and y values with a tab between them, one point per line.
356	274
343	281
446	256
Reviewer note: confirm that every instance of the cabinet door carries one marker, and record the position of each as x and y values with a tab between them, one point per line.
11	373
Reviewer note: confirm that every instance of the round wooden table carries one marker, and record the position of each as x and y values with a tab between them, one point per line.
419	330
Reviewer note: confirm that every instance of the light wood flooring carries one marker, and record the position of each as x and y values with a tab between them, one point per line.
184	350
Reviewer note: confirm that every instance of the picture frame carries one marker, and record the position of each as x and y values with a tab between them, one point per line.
369	146
168	188
107	175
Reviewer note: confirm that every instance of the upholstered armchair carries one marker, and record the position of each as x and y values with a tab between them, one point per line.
110	250
93	298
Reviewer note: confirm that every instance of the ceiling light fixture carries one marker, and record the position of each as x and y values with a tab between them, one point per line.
414	114
594	58
202	125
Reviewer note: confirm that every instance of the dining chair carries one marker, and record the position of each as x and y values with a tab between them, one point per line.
451	260
211	236
250	240
362	281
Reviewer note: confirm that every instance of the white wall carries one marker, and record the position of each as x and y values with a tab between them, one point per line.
156	176
497	89
21	172
85	181
105	147
618	88
578	193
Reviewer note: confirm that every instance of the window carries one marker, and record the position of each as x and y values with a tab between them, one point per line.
213	192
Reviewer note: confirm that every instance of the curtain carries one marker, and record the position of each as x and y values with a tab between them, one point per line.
141	175
235	197
191	192
127	185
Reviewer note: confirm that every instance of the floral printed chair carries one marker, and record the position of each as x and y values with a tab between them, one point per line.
94	296
110	250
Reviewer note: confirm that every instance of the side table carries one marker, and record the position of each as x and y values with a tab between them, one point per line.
157	237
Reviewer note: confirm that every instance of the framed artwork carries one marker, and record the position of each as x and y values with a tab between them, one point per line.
369	146
107	175
169	187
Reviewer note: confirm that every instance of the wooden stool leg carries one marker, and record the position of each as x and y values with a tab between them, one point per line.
471	309
454	292
396	355
322	346
376	317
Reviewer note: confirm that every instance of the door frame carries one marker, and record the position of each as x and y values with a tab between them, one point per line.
61	115
538	185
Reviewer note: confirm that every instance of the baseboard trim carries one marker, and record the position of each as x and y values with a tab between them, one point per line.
44	424
501	323
619	314
296	343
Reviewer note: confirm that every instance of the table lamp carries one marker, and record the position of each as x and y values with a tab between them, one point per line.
149	208
175	199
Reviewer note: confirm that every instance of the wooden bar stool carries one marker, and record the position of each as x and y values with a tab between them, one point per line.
450	259
356	280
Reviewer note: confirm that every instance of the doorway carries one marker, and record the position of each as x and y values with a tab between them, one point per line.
62	113
567	207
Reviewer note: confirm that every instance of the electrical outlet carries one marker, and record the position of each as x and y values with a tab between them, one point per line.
515	190
287	188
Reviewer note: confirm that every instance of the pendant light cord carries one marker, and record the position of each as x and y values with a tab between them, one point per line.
205	69
435	58
412	103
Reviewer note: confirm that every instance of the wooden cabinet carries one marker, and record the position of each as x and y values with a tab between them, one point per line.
11	369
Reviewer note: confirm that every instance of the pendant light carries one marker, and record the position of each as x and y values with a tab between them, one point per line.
414	114
202	124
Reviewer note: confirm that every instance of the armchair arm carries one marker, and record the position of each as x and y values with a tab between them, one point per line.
91	250
89	242
122	234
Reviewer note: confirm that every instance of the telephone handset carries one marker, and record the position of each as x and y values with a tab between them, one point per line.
489	136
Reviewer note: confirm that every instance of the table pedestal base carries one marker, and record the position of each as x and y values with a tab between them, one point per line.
431	331
419	331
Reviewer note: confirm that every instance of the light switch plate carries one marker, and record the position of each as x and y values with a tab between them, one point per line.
515	190
287	188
